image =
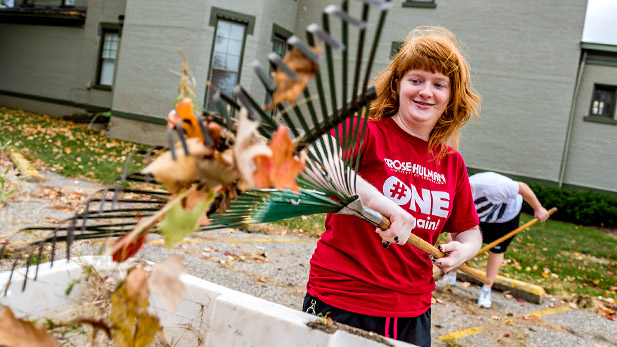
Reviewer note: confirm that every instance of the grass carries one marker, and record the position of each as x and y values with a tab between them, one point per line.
66	148
563	258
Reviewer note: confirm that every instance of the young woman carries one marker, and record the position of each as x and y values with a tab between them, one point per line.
411	175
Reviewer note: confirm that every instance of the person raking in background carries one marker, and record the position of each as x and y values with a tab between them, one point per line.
409	174
498	200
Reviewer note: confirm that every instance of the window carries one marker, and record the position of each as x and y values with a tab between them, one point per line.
603	101
420	3
110	38
226	57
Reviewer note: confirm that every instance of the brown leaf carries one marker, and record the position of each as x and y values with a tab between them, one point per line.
288	89
182	172
248	145
137	285
18	332
165	281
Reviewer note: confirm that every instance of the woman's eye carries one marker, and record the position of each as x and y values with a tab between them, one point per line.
416	81
440	85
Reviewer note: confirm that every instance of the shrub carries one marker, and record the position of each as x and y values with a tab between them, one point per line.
579	207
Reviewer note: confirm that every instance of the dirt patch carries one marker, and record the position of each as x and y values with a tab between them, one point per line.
330	327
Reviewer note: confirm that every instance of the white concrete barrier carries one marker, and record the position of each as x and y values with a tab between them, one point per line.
209	314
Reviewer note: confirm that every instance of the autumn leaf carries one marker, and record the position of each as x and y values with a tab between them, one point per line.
19	332
136	284
179	222
288	89
248	145
185	111
128	249
181	172
165	281
132	325
281	169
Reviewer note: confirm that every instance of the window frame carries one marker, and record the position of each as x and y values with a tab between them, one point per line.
282	34
420	3
104	29
598	118
217	14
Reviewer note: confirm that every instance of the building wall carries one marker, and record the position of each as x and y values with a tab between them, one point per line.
591	160
523	57
55	62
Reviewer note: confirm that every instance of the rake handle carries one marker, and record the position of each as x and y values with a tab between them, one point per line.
513	232
417	242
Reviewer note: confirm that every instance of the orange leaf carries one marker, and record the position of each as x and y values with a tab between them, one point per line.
136	285
288	89
184	109
283	167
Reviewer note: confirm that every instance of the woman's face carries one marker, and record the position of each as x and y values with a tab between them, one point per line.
423	97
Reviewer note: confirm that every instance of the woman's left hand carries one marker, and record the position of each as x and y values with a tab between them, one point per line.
464	247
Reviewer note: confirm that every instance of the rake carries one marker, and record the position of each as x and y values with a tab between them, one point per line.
327	127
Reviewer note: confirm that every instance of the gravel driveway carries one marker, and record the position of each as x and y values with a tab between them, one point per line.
275	267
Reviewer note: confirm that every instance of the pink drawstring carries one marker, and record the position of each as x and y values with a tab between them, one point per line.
395	326
387	327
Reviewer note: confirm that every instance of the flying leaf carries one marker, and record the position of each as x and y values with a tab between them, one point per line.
19	332
248	145
179	222
136	285
181	172
165	281
287	88
282	168
185	111
128	249
132	325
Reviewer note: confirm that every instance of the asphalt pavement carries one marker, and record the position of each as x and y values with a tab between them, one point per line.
275	267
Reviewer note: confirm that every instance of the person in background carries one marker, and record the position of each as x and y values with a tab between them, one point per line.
409	174
498	201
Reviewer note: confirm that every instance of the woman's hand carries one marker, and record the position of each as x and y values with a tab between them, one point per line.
464	246
541	213
401	224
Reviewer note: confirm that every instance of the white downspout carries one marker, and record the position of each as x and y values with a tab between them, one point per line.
566	146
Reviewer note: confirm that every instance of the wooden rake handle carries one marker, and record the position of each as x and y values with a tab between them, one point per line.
435	252
513	232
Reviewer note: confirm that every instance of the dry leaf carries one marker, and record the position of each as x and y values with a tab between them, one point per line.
136	285
182	172
165	281
128	249
185	111
282	168
132	325
249	144
288	89
18	332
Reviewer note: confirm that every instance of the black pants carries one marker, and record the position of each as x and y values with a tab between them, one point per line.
416	330
493	231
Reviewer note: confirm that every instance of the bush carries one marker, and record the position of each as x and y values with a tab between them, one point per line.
579	207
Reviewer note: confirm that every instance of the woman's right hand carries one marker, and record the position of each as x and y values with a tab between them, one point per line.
401	224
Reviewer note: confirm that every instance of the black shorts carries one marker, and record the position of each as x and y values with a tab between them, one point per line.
493	231
416	330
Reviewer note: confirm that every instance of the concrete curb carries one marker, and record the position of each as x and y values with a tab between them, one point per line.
519	289
25	167
208	315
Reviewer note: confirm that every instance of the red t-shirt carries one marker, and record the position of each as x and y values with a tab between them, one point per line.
351	270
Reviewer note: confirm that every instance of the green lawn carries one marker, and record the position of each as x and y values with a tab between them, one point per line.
564	258
65	147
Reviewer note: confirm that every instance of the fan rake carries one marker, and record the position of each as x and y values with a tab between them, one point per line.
327	127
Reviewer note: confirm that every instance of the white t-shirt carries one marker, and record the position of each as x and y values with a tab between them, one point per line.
496	197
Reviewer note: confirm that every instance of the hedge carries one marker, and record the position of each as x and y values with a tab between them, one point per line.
579	207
